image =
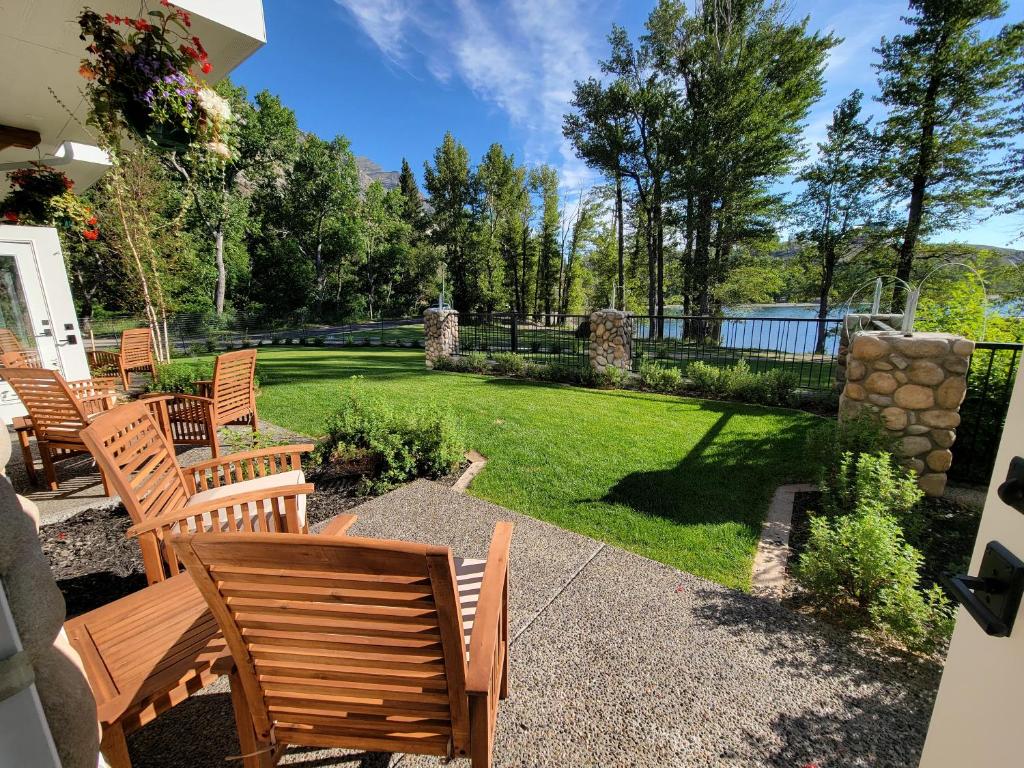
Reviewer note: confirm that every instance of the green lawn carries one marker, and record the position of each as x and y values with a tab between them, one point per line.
683	481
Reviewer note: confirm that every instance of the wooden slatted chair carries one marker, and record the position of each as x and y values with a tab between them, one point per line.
262	490
135	354
20	359
358	643
228	398
58	411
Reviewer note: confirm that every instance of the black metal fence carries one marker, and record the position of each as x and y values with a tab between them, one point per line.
983	412
563	340
199	332
804	346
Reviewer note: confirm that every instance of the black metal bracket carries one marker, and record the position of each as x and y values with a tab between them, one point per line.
993	596
1012	490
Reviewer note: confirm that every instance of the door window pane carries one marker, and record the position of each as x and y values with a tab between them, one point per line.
14	315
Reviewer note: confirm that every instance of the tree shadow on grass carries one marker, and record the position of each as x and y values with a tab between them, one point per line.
879	718
726	476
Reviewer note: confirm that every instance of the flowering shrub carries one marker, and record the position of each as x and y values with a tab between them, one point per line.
140	79
42	195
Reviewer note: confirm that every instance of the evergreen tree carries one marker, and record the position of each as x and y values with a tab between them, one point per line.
412	207
943	84
454	196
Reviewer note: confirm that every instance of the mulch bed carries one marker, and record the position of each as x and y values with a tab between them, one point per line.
95	563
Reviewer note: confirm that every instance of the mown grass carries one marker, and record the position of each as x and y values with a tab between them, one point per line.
683	481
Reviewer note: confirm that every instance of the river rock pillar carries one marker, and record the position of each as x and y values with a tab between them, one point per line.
611	340
916	385
440	334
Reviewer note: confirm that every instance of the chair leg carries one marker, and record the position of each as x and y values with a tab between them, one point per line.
48	470
255	752
124	376
114	747
254	421
103	479
26	455
481	732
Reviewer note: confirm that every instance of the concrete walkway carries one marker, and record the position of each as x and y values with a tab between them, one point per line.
620	661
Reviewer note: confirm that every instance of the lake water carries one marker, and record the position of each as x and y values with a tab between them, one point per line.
791	328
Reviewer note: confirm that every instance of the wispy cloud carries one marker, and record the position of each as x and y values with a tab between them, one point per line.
521	56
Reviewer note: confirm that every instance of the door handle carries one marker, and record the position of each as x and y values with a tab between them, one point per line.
993	596
1011	491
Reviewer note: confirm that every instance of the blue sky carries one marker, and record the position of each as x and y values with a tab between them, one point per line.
394	75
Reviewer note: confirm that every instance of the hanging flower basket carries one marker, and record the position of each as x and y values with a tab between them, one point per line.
141	80
42	195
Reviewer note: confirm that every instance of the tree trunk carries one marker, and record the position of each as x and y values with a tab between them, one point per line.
659	248
918	187
827	273
222	275
652	268
621	246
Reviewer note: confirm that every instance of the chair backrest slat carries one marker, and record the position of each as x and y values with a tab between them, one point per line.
233	391
57	415
138	460
9	342
340	638
136	347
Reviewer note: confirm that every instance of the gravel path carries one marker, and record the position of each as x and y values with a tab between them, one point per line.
621	661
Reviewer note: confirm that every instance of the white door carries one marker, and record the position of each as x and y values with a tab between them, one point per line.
36	305
977	717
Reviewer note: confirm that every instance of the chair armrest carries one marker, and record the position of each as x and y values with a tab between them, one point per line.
245	465
183	514
483	640
338	525
170	396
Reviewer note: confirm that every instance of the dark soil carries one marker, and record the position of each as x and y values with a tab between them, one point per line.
95	563
943	531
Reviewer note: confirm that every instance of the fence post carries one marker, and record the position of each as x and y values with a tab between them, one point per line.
514	335
611	340
440	334
915	383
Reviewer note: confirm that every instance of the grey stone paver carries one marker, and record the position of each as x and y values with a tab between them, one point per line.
628	663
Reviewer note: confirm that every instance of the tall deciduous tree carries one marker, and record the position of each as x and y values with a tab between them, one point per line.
265	141
454	196
748	76
598	131
835	204
544	183
320	198
944	86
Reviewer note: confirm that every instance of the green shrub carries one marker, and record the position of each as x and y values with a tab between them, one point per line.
828	441
870	482
476	362
405	443
860	565
509	363
180	376
277	341
775	387
319	341
612	377
660	378
705	378
211	344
